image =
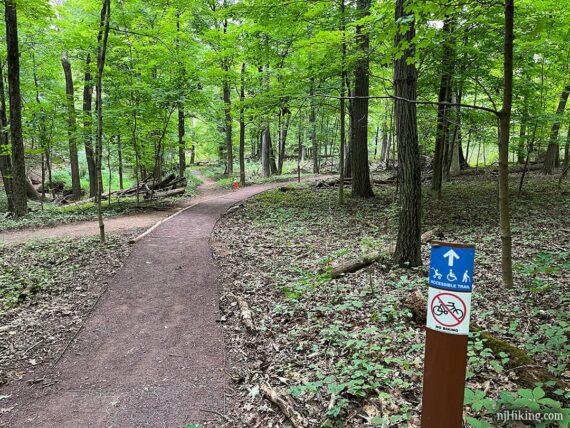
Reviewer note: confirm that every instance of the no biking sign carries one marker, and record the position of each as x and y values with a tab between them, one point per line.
448	311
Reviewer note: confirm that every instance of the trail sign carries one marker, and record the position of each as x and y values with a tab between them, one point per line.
448	311
451	267
447	322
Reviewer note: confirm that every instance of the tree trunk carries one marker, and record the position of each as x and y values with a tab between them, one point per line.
71	127
242	127
360	170
553	151
408	244
348	148
87	128
19	179
181	142
444	96
505	123
228	127
120	160
313	127
342	103
102	39
284	120
5	158
266	150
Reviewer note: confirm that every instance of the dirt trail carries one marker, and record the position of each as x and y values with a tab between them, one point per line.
119	224
152	353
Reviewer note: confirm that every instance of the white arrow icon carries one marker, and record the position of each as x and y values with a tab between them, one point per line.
450	255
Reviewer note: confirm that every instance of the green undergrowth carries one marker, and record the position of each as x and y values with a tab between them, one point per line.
350	344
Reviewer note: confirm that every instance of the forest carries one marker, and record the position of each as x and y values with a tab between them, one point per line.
230	206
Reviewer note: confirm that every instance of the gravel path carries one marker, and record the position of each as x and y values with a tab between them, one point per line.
151	354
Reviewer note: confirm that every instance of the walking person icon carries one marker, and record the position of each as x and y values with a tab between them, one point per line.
466	277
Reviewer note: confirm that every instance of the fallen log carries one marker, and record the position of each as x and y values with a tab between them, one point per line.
354	266
163	183
246	316
527	370
165	194
428	236
285	405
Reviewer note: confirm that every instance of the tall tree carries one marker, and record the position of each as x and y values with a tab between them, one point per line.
71	127
102	39
342	101
88	129
408	243
444	98
19	179
242	126
504	136
361	185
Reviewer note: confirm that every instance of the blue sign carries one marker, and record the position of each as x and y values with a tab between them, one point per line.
451	268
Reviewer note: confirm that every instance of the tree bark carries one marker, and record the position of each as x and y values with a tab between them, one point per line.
408	243
5	158
228	127
19	179
242	127
87	128
313	126
120	160
71	127
444	96
284	120
552	153
266	150
342	103
359	145
181	142
504	134
102	39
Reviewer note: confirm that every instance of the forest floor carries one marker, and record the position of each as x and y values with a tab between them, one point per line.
346	352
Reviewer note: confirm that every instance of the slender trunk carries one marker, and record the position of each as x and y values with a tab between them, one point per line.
102	39
181	113
19	179
5	158
120	160
566	165
444	96
348	148
553	151
408	243
228	127
342	103
361	185
181	142
242	127
313	127
266	150
505	122
71	127
87	128
285	119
